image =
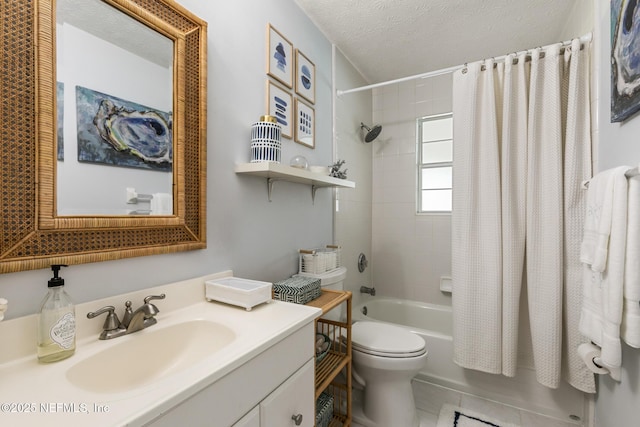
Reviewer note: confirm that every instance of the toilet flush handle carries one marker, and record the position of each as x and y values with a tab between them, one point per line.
297	418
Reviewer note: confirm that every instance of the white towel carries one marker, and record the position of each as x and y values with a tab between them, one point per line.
162	204
601	313
597	224
630	330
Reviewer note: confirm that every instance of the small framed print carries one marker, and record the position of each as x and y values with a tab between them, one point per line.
280	106
305	77
280	59
305	124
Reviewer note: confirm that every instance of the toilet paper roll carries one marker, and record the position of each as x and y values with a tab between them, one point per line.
588	352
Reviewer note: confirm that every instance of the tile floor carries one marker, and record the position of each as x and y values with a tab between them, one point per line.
429	398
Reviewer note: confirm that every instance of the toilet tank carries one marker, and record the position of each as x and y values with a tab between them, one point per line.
333	279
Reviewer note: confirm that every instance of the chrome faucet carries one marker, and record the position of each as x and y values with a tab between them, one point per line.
132	321
143	317
365	290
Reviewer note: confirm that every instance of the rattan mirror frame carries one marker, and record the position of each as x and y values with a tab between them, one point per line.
32	236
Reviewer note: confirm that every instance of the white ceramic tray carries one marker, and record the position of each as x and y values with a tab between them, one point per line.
236	291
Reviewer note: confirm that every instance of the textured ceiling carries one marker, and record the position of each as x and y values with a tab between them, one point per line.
110	25
389	39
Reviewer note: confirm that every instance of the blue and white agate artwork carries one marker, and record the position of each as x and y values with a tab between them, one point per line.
117	132
625	59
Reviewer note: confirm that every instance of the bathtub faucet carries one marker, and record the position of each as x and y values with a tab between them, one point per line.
365	290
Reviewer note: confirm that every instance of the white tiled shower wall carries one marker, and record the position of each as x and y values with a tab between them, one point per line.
352	220
410	252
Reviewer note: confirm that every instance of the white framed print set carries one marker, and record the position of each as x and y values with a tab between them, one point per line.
305	77
290	70
280	106
280	59
305	124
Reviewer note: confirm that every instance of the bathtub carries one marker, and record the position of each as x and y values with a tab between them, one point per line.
434	323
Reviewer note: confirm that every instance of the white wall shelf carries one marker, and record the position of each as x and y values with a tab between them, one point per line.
279	172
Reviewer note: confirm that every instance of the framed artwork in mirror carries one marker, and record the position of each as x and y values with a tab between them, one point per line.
117	132
305	124
280	106
280	58
305	77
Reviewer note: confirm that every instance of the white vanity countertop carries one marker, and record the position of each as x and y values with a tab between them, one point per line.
36	394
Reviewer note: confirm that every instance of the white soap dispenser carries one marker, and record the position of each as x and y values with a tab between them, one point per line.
56	322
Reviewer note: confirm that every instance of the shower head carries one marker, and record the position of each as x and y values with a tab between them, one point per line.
372	133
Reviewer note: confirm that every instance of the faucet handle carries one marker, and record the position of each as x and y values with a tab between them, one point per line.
128	314
111	322
152	297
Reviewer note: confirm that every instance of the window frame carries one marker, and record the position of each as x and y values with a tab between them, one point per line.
422	166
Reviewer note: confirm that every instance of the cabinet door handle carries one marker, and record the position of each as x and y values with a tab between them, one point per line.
297	419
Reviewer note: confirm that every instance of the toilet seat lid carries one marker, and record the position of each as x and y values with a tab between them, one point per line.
382	339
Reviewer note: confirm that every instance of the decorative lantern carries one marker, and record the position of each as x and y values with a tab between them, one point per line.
265	140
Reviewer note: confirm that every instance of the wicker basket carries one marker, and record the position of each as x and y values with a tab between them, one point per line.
318	261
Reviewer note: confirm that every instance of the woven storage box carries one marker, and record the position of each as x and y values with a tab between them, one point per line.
324	409
298	289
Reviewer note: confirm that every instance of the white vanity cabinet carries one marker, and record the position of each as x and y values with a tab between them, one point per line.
270	390
292	403
252	419
194	377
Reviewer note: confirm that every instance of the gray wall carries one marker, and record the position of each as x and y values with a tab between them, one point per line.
246	233
618	144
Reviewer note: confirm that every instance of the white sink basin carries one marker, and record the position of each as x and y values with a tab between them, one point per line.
149	355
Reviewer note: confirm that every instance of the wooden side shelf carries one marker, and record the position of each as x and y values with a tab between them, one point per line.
330	299
338	357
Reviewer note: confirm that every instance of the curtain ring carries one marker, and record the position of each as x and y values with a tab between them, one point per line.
464	69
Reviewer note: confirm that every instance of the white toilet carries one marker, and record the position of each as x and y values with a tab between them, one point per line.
385	359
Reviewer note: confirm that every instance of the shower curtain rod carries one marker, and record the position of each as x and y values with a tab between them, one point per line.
583	39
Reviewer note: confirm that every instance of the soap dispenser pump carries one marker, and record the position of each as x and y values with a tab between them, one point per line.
56	322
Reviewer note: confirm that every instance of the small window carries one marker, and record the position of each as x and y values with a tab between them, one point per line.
435	163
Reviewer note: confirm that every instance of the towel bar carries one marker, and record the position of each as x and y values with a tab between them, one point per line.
140	212
629	174
133	197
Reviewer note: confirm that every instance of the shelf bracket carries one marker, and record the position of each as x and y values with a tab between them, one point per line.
270	182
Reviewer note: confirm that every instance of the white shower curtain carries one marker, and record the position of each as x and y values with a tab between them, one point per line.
522	148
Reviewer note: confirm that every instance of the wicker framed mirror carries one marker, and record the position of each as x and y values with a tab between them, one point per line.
32	235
